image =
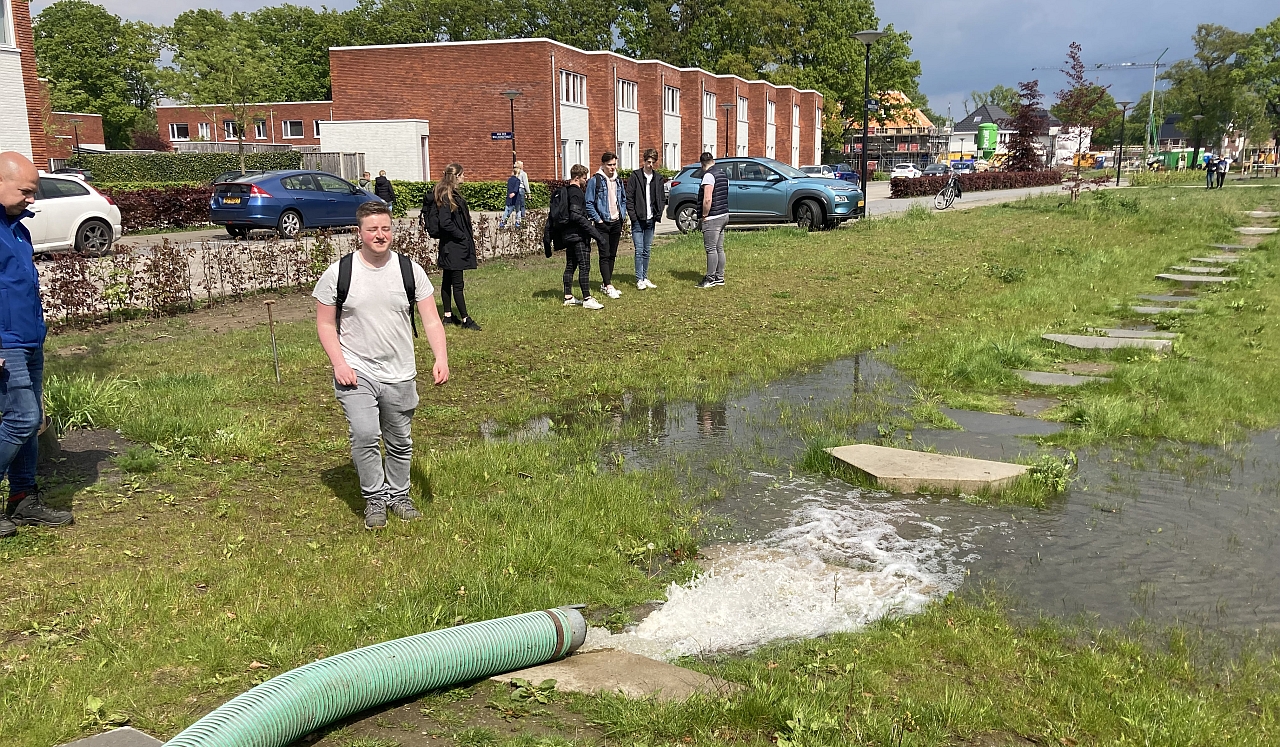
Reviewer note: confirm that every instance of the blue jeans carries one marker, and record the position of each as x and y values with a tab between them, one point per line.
642	237
513	209
21	386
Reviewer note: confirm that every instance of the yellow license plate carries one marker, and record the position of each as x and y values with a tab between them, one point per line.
230	200
860	203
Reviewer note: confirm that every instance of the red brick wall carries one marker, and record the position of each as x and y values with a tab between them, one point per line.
60	132
274	114
36	101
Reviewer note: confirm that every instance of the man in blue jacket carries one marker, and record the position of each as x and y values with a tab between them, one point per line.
606	206
22	334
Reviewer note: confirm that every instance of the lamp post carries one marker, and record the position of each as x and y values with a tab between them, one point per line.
867	38
511	95
1124	107
727	108
1195	154
75	129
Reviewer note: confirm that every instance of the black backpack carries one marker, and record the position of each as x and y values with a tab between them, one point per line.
559	212
429	218
344	287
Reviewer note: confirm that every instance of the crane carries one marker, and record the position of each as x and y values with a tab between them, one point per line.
1152	132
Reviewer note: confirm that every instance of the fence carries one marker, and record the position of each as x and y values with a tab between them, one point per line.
231	147
349	166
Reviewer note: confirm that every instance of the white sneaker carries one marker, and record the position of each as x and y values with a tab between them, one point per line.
592	304
649	284
571	301
612	292
640	285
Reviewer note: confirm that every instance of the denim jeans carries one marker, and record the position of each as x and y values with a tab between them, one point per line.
21	387
380	412
642	236
513	209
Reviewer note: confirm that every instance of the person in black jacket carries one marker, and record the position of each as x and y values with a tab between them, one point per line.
383	190
646	199
457	245
575	235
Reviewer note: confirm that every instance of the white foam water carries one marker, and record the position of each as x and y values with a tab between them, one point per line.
839	565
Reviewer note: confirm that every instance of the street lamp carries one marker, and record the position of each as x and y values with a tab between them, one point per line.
867	38
1196	153
75	129
1124	107
727	108
511	95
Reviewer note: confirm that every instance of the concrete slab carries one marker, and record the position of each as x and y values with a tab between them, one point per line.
613	671
995	424
1044	378
1088	368
1195	279
125	736
1229	247
1032	407
906	471
1194	270
1217	259
1261	213
1140	334
1167	298
1154	310
1090	342
1256	231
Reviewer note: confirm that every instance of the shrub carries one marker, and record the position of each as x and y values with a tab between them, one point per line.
980	182
479	195
151	168
168	207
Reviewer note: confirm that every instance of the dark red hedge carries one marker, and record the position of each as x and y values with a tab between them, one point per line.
980	182
167	207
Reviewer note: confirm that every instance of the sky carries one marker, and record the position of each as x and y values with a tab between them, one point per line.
970	45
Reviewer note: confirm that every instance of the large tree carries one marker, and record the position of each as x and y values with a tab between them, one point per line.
1205	86
1024	153
1259	72
1002	96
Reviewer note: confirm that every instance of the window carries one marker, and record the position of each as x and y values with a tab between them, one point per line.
332	184
708	105
768	117
573	88
795	116
231	129
51	188
204	130
671	100
260	129
299	183
291	128
317	126
742	108
753	172
627	94
4	24
179	131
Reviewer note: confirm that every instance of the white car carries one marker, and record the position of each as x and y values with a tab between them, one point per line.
905	170
823	171
70	214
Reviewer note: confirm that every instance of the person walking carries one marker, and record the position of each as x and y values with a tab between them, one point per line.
457	245
382	189
714	193
606	206
516	195
21	353
1210	169
524	179
364	318
571	228
365	182
1224	165
646	198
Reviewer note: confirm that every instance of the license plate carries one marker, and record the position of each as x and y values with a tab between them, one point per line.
230	200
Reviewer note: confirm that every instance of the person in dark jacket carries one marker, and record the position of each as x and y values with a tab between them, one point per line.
457	245
646	199
382	189
575	235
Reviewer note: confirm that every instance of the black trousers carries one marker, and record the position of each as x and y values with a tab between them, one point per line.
451	286
611	233
577	256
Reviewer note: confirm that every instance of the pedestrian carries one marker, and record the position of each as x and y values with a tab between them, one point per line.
382	189
571	228
457	245
714	201
1224	165
524	179
515	197
606	206
1210	168
21	353
646	198
365	183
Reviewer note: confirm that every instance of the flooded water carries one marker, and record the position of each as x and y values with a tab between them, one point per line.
1163	532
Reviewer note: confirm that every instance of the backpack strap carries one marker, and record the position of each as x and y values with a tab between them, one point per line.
410	288
344	287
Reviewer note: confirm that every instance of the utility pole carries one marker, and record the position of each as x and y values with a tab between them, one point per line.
1153	131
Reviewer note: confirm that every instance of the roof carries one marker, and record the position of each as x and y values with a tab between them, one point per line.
982	115
1169	128
903	114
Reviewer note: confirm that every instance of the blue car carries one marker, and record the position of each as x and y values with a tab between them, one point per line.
845	171
762	190
287	201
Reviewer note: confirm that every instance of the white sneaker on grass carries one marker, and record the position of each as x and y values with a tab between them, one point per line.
640	285
649	284
612	292
571	301
591	303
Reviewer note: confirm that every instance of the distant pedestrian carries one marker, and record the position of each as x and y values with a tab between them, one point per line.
366	182
1224	165
569	227
382	188
1210	170
364	317
714	193
607	206
646	198
515	198
457	245
524	179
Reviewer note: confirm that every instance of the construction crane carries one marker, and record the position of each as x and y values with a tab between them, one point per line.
1152	132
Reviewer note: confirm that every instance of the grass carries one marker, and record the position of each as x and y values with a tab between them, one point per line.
234	536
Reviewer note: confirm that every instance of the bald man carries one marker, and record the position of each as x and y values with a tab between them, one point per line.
22	334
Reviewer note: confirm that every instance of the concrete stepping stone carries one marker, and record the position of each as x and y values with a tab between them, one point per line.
1229	247
1198	270
1153	310
1088	368
1190	280
125	736
1095	342
1046	378
609	671
1137	334
1167	298
1256	231
1261	213
906	471
1217	259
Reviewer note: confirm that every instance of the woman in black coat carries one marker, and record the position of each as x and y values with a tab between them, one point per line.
457	245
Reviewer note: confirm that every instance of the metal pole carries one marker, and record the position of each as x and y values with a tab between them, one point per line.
866	124
513	133
1120	152
271	325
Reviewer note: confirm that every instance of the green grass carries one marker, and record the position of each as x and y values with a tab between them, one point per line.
242	540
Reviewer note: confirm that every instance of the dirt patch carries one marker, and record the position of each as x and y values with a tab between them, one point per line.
83	457
999	739
252	312
1033	407
1089	369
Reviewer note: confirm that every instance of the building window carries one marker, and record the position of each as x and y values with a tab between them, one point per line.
581	153
742	109
231	129
260	129
742	150
671	100
795	116
317	127
627	95
204	130
671	155
291	128
573	88
5	39
179	131
708	105
768	117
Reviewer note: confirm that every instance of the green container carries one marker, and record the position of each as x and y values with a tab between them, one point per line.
987	138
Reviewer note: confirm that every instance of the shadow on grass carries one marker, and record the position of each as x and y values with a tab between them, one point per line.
345	483
688	275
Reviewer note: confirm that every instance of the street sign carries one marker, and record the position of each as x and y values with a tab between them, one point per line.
502	136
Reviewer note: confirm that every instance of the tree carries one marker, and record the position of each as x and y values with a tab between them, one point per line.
1082	108
1023	146
299	39
1259	71
1206	85
1004	97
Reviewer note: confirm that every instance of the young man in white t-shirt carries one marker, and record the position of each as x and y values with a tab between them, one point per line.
372	353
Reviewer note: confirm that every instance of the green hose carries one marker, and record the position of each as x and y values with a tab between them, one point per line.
297	703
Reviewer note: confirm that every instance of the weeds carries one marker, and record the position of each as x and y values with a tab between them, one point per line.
79	401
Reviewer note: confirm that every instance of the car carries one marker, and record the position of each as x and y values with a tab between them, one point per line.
936	169
70	214
963	167
234	176
286	201
763	190
821	171
84	174
845	171
905	170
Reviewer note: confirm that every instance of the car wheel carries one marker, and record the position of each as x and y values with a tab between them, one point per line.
687	218
238	233
290	224
808	215
94	238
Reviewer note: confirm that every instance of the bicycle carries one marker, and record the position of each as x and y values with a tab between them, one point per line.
949	193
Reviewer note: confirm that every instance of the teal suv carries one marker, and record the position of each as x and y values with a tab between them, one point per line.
762	190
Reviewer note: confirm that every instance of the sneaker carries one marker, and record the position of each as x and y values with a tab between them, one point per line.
404	510
592	303
375	515
707	282
612	292
31	511
571	301
640	285
449	319
7	528
649	284
470	324
717	281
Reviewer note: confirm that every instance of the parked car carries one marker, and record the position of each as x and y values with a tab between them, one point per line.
823	171
845	171
71	214
84	174
287	201
762	190
234	176
936	169
964	167
905	170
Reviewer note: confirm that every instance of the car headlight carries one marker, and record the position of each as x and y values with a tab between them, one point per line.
841	198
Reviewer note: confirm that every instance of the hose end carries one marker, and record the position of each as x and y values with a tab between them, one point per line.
577	626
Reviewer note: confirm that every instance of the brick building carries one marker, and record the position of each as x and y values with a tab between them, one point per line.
21	102
65	130
445	101
274	123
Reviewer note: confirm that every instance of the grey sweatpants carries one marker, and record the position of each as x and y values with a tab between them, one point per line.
380	412
713	242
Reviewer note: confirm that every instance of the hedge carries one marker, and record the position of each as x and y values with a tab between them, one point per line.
986	180
171	207
479	195
158	168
